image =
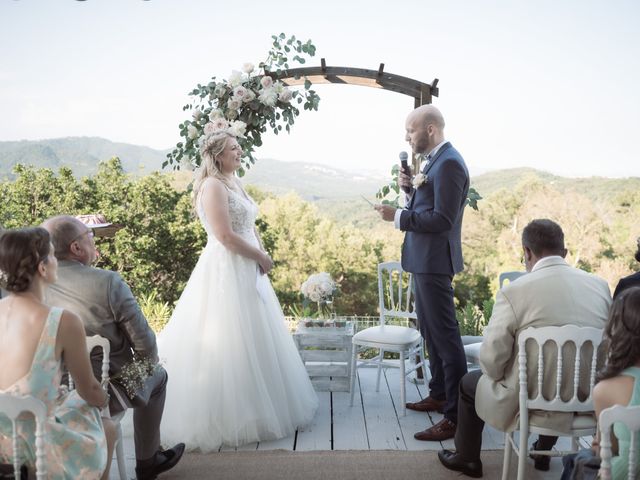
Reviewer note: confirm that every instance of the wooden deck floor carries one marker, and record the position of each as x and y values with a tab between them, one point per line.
374	422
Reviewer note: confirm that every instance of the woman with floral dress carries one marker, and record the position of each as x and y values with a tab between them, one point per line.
34	341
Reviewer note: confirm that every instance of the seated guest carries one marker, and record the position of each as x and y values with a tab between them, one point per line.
36	339
618	384
107	307
631	280
552	294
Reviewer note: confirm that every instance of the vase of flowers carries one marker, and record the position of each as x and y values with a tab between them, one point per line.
319	288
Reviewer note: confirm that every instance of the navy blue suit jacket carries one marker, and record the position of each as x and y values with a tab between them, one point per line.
432	219
632	280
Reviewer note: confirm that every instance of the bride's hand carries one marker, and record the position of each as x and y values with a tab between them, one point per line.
265	262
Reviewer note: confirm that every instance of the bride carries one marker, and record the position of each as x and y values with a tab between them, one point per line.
236	375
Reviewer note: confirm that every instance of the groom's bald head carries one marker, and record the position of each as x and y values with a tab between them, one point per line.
424	127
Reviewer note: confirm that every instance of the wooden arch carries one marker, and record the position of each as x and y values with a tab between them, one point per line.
421	92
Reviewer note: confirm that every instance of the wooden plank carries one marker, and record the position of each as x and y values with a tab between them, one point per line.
328	369
324	355
319	340
281	444
248	447
383	430
413	421
331	384
317	435
349	430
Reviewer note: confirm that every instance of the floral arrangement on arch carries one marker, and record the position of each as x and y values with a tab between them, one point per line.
246	104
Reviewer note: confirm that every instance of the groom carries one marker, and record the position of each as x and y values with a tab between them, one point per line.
432	251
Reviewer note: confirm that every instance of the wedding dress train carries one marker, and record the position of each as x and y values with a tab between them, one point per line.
235	375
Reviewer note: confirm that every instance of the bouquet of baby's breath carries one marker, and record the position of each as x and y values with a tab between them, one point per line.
133	374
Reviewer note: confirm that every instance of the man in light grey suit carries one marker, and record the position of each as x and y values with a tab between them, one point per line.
552	294
107	307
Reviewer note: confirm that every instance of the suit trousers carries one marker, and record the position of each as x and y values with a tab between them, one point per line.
147	418
439	328
468	439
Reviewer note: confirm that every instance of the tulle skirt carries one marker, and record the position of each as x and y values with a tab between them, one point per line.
235	375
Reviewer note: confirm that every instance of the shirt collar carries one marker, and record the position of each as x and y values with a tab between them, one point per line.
432	154
546	261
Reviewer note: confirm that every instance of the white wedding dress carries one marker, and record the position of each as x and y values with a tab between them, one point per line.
235	375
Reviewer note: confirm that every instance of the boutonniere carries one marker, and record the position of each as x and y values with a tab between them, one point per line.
419	180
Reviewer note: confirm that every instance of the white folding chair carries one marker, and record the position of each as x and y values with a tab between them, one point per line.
395	299
13	406
629	417
582	425
96	341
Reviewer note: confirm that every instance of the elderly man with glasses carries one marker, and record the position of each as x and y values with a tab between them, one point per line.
107	307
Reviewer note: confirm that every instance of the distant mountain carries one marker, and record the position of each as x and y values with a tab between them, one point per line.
81	154
318	183
594	188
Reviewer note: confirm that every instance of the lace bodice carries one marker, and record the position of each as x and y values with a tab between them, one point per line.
242	213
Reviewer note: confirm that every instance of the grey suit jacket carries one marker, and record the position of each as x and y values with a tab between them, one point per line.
107	307
552	294
432	219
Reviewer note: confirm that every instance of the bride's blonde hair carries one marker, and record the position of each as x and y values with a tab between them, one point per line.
211	146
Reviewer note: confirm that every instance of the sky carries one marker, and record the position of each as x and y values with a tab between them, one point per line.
547	84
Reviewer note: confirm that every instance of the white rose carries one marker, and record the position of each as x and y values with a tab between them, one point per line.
235	78
220	124
419	180
197	114
279	86
192	132
238	128
239	93
266	81
285	96
249	96
233	104
247	67
215	113
209	128
232	114
268	96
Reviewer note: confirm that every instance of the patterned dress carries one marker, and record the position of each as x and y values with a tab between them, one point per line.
75	442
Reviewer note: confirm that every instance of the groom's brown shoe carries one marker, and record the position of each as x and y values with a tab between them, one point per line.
443	430
428	404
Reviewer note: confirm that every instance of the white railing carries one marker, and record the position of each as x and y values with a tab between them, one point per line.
360	322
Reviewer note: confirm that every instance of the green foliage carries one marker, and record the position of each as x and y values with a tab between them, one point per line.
252	101
155	311
472	319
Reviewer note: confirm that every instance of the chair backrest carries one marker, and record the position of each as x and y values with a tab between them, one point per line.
13	406
510	276
395	292
560	336
630	417
97	341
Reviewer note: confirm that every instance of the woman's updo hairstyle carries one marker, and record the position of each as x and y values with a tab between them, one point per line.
21	251
211	146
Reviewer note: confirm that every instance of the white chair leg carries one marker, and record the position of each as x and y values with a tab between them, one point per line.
403	393
574	444
523	450
122	469
379	370
506	461
354	365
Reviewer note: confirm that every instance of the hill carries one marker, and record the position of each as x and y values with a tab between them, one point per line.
81	154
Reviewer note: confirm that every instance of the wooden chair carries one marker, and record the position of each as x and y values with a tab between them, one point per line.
97	341
630	417
582	424
13	406
395	300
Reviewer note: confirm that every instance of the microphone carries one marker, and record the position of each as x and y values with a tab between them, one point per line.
404	166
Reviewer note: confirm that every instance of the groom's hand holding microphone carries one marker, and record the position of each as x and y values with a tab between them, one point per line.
388	212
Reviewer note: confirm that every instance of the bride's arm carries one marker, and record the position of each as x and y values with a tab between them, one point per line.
215	203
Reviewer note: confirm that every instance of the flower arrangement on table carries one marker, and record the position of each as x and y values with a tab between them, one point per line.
246	104
319	288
